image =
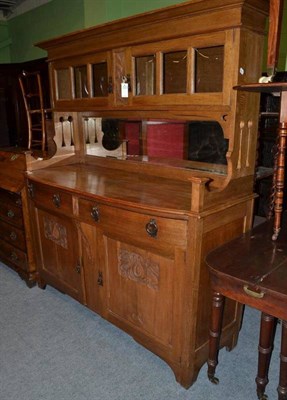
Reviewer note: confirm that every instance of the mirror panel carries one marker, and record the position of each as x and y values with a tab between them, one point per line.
179	143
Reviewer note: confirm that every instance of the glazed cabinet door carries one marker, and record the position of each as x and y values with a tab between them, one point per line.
58	253
186	71
82	83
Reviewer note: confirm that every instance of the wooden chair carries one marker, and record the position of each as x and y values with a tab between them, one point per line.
31	88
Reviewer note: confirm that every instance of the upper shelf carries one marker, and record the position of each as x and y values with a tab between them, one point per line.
271	87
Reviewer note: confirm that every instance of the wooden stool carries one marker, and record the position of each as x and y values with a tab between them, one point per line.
253	271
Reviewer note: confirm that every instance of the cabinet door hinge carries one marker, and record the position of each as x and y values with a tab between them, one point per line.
78	266
100	279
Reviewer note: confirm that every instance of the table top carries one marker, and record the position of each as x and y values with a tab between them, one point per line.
252	269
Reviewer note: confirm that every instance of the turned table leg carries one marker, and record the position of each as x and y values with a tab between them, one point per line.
264	353
282	388
280	176
214	335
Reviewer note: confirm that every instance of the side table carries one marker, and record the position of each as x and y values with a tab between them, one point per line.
252	270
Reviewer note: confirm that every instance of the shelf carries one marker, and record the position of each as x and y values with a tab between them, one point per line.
271	87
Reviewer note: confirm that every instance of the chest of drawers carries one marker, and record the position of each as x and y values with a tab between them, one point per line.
15	242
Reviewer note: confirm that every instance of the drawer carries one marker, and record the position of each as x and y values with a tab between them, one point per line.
12	255
51	198
10	198
11	213
134	227
12	235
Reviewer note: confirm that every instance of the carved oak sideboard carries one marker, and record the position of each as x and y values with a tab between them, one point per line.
154	168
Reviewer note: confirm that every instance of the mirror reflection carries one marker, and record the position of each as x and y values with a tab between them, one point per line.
162	141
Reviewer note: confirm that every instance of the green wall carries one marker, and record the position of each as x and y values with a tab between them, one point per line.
19	34
100	11
51	19
63	16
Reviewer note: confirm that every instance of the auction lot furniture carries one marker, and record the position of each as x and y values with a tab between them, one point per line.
252	270
154	168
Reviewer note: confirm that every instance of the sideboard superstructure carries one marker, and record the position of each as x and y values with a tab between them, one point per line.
124	213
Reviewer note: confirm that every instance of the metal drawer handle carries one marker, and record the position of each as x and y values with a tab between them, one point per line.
57	200
251	293
152	228
10	214
95	214
13	256
13	236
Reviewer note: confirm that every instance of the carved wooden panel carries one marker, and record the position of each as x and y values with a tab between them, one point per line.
135	267
55	232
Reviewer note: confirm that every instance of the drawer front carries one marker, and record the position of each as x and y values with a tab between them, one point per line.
51	198
13	235
11	213
11	198
12	255
135	227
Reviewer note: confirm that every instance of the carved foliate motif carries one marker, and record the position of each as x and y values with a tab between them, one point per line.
139	269
55	232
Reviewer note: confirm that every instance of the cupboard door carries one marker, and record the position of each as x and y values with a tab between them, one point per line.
59	251
92	250
141	291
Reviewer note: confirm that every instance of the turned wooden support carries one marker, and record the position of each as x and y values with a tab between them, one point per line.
282	387
264	352
275	19
279	178
214	335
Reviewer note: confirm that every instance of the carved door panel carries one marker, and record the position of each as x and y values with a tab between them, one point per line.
59	250
141	291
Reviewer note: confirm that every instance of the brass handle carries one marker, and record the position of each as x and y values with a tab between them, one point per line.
57	200
10	214
78	268
13	256
95	214
13	236
251	293
152	228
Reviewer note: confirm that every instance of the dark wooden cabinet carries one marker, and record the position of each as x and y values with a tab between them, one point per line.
15	229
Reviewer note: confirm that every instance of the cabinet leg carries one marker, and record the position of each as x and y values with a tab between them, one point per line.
264	353
214	335
282	388
41	284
